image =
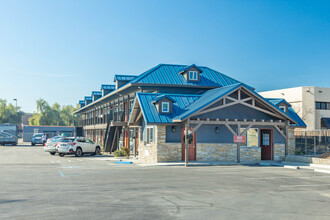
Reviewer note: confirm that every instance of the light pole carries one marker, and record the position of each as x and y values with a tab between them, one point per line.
16	103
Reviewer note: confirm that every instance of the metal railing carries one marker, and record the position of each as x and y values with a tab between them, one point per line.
312	142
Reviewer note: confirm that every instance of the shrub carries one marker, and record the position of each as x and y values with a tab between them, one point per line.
125	151
119	153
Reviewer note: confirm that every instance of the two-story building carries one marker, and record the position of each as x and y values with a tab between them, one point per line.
172	109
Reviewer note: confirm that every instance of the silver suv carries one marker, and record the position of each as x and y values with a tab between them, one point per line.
50	145
77	146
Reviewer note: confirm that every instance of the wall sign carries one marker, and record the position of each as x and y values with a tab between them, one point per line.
239	139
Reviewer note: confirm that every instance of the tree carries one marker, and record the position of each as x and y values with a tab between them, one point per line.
54	115
9	113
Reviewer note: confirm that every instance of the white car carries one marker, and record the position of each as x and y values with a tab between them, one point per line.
50	145
77	146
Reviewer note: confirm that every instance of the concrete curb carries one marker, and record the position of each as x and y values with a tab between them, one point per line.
322	171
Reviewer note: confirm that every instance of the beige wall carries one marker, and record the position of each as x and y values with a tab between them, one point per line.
303	101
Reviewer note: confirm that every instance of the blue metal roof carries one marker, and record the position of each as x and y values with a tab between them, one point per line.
188	67
88	98
170	74
206	99
158	98
276	101
108	87
150	112
81	101
124	77
295	116
97	93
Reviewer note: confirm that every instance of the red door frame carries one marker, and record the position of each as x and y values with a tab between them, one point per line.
191	147
267	151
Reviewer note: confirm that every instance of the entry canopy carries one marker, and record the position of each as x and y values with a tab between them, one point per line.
326	122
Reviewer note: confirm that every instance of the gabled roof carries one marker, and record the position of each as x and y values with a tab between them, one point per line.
206	99
191	66
150	112
108	87
124	77
276	101
158	98
169	74
96	93
88	98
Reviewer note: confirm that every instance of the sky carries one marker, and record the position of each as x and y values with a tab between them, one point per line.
61	50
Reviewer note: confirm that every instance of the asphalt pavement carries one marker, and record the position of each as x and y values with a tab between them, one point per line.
37	185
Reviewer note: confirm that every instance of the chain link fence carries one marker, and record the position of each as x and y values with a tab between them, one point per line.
312	142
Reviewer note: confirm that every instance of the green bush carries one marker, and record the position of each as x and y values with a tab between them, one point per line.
300	152
126	151
119	153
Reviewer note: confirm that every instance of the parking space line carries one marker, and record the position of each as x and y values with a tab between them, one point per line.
286	177
69	161
60	173
305	185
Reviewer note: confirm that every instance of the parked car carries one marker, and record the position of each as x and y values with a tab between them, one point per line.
50	145
8	134
77	146
37	139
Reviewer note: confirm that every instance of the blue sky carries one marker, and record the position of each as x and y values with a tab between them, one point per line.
62	50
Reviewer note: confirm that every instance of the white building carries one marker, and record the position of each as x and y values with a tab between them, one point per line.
311	103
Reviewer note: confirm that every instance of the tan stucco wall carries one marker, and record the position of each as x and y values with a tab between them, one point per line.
303	101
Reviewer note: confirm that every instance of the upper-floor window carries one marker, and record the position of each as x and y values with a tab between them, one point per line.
323	105
165	107
193	75
283	108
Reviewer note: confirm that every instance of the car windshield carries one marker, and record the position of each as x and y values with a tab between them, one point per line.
55	139
37	135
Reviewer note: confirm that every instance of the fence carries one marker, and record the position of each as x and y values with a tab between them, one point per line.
312	142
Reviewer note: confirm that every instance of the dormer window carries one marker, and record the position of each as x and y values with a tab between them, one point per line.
165	107
193	75
283	108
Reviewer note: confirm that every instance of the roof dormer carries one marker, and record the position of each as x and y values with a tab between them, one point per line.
192	73
164	104
96	95
88	100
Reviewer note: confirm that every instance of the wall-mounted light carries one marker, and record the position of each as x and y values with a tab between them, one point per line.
217	130
173	129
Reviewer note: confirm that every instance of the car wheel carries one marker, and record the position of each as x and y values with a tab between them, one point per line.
97	151
14	144
61	154
79	152
52	153
32	144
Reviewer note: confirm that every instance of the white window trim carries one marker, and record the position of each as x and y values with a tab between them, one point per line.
283	108
168	107
148	128
192	73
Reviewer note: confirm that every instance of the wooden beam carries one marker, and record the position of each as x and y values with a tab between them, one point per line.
239	94
219	107
195	128
230	129
279	131
214	122
262	110
245	130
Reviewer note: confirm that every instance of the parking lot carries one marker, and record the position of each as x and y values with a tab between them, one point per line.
36	185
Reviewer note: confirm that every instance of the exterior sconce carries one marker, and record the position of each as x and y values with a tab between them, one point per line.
173	129
217	130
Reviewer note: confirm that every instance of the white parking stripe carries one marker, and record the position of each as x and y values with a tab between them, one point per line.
69	161
305	185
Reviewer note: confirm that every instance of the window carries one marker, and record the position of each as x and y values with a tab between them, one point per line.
193	75
150	135
252	137
323	105
165	107
283	108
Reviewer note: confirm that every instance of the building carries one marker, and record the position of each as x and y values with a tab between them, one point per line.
311	103
50	131
170	108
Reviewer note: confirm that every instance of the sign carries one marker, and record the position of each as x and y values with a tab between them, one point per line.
239	139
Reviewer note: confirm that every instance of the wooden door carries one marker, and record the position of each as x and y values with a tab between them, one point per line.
266	139
191	145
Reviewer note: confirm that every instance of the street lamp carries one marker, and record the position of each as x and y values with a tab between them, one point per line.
16	103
